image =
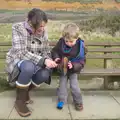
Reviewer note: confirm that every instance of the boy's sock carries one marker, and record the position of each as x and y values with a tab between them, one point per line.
60	105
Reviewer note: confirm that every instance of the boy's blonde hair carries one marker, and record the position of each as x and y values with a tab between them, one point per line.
70	31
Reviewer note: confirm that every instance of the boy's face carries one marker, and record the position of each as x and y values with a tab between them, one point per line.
70	42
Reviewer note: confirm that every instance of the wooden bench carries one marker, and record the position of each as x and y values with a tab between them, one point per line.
106	51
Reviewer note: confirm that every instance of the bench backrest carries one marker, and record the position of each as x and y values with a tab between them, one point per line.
105	51
96	50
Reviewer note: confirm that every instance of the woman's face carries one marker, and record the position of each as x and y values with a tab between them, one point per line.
40	29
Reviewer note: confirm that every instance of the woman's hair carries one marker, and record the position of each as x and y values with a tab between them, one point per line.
70	31
36	16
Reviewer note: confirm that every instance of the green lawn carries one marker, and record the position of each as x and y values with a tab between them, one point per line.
5	32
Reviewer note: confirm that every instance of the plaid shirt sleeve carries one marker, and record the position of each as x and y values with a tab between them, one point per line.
19	42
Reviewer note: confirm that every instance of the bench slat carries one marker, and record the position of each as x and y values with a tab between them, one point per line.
91	43
95	72
52	43
94	56
3	50
103	49
102	43
2	73
89	50
5	43
101	72
103	56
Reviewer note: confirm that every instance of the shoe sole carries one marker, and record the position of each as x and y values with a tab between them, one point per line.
79	109
29	102
22	114
59	108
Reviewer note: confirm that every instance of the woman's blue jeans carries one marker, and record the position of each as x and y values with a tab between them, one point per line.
31	73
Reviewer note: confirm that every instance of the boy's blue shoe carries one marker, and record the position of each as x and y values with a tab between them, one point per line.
60	105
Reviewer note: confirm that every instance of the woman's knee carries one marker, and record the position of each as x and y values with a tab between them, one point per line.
41	76
45	74
27	66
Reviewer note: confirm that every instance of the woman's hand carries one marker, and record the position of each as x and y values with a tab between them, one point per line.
50	63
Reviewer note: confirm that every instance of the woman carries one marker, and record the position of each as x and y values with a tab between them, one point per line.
28	62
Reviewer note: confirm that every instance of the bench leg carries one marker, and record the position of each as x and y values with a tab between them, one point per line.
106	82
112	82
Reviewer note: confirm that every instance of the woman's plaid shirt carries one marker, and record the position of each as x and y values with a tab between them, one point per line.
26	46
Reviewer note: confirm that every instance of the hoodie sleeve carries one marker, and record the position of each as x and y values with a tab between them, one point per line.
78	66
55	50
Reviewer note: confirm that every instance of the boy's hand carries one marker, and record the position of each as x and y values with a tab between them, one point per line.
70	66
57	60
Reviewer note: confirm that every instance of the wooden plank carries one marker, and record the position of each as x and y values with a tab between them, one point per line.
92	56
101	72
2	56
102	43
95	72
104	49
89	50
3	72
2	50
103	56
5	43
52	43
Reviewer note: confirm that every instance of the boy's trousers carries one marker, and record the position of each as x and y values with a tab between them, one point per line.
74	85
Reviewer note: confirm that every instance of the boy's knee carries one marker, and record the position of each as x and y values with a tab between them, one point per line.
74	86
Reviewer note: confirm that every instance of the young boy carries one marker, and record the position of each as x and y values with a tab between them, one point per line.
69	53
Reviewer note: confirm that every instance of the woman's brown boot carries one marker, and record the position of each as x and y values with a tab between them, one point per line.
28	100
20	104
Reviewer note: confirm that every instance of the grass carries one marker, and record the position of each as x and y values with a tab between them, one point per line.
5	32
13	11
4	85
